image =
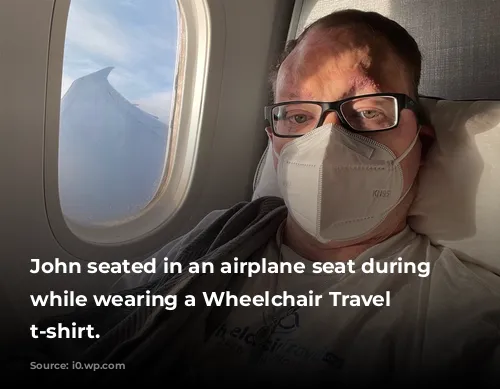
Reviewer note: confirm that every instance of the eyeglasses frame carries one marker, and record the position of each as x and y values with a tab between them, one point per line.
403	102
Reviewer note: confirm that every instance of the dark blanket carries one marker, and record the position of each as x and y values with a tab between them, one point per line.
154	342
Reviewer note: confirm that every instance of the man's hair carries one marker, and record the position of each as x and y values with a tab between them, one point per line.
401	42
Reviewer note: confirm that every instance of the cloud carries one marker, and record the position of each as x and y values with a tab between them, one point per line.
139	42
157	104
172	6
97	33
129	3
135	36
153	39
80	66
121	78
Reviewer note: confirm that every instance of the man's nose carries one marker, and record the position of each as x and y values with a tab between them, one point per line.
332	118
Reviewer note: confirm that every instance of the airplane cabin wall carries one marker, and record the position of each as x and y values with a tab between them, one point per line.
253	32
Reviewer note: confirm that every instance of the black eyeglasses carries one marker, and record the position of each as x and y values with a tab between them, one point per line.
367	113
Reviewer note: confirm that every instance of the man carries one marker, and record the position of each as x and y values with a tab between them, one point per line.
348	138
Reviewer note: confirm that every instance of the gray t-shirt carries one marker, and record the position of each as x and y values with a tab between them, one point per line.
235	342
322	339
446	322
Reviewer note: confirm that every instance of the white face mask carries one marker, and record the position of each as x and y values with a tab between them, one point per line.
339	185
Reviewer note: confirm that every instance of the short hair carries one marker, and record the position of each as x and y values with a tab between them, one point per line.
401	42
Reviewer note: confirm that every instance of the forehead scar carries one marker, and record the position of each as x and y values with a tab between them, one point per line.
360	83
292	95
296	95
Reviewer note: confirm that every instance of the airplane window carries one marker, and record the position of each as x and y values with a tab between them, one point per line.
117	87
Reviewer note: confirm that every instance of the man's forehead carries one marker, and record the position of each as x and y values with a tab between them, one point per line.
306	91
343	59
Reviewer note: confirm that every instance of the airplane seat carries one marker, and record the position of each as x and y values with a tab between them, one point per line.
457	202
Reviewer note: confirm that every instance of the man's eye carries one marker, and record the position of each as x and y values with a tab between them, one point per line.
299	119
369	114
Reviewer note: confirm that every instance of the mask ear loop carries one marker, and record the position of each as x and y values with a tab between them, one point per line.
398	161
274	151
410	147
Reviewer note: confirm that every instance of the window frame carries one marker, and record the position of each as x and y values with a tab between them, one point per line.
197	44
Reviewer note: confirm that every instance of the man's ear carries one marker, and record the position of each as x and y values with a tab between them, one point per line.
269	133
427	137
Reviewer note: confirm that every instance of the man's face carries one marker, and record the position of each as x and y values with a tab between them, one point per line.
333	65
